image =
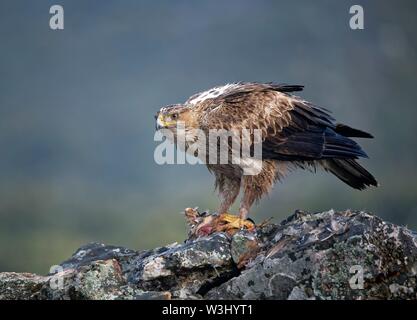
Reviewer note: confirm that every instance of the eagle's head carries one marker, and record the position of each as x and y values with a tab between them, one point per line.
170	116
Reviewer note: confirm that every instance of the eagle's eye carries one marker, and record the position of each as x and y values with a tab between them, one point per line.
174	116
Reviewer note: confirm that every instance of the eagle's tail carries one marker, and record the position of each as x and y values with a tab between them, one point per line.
350	172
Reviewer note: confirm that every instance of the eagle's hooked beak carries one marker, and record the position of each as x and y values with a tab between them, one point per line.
160	123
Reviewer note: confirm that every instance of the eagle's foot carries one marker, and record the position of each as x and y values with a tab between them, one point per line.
225	222
204	224
231	223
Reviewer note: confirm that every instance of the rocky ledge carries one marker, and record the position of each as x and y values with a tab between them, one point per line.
327	255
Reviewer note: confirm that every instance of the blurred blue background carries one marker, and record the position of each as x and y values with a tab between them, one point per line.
77	106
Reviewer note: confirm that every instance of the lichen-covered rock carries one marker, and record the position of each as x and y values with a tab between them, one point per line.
327	255
330	255
244	247
188	269
19	286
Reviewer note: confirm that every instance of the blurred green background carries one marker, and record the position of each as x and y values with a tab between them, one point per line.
77	106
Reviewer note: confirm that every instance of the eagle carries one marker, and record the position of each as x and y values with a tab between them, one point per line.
295	134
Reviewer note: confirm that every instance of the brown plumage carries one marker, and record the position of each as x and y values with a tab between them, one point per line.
295	134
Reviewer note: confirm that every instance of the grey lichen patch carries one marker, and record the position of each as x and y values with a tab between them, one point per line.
101	281
19	286
154	268
334	272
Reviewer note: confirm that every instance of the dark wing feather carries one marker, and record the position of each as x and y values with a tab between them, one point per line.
283	87
351	132
311	135
350	172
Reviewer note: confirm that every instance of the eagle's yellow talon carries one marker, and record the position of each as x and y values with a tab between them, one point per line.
231	223
204	224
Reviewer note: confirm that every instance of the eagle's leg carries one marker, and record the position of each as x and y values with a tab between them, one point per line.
256	186
228	190
229	187
250	194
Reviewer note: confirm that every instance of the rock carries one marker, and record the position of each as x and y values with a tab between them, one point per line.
185	270
244	247
326	255
19	286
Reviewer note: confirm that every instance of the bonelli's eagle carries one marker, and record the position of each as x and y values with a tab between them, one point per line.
295	134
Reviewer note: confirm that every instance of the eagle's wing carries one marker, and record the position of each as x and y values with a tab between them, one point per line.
292	128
